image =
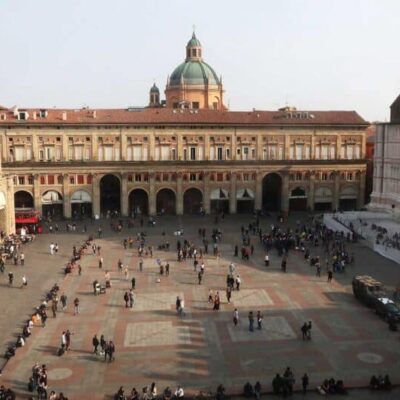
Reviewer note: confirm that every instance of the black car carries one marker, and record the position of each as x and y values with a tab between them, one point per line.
387	309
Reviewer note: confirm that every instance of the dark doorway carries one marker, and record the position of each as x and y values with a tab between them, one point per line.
23	200
52	204
271	192
192	201
110	195
347	204
166	202
81	210
245	206
138	202
298	200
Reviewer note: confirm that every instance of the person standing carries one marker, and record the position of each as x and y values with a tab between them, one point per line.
133	283
10	278
24	282
251	321
22	258
167	269
68	339
103	344
141	264
95	343
199	277
238	282
330	276
266	260
235	317
126	273
304	383
111	351
101	262
131	298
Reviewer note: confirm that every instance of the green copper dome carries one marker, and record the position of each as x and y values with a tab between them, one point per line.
194	42
154	89
194	72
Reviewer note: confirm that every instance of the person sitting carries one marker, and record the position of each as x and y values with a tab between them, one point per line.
179	393
387	384
339	387
167	394
248	390
26	331
220	392
277	384
20	341
331	386
324	388
120	394
374	383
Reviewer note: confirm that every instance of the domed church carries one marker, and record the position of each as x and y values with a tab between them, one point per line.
194	84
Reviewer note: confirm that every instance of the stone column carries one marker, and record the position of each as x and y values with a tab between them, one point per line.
361	191
232	194
207	193
37	198
206	147
258	194
124	195
96	195
35	150
65	144
94	146
123	141
152	195
286	155
310	197
10	206
179	194
66	197
338	146
233	148
179	147
285	194
336	190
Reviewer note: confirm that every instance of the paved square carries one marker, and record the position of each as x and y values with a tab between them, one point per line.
201	348
141	334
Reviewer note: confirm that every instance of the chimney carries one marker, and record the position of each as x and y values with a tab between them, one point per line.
64	116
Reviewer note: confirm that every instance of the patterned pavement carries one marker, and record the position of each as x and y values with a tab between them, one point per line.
203	348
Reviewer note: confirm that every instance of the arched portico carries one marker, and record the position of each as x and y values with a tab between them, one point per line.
192	201
166	201
271	192
52	204
138	202
110	194
81	204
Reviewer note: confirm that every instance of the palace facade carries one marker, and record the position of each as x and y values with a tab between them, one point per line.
181	155
386	179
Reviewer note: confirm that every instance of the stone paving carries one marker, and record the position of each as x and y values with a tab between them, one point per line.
202	348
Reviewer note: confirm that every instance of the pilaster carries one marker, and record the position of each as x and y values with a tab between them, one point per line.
207	193
310	196
232	194
124	195
66	197
37	198
152	195
179	194
258	195
96	195
361	191
336	191
285	193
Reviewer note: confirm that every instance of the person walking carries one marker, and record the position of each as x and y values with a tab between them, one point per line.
126	273
251	321
133	283
101	260
63	300
235	317
131	298
141	264
22	258
330	276
103	344
259	320
76	306
238	282
266	260
199	277
167	269
24	282
68	339
10	278
95	343
126	299
228	293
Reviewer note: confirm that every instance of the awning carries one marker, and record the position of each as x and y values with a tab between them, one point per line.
52	197
219	194
81	196
2	201
348	192
245	194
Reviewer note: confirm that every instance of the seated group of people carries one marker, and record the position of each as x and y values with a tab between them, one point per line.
149	393
330	386
6	394
380	382
250	391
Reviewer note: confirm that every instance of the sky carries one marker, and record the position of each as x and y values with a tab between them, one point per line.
311	54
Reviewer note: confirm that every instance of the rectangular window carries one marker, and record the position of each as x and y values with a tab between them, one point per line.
89	179
72	180
21	180
138	177
192	177
58	153
30	180
324	152
50	179
87	153
19	153
299	152
164	153
81	180
42	180
78	153
117	154
193	153
185	154
219	153
137	153
245	177
29	153
108	153
129	153
220	177
49	153
253	154
173	154
228	154
71	152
